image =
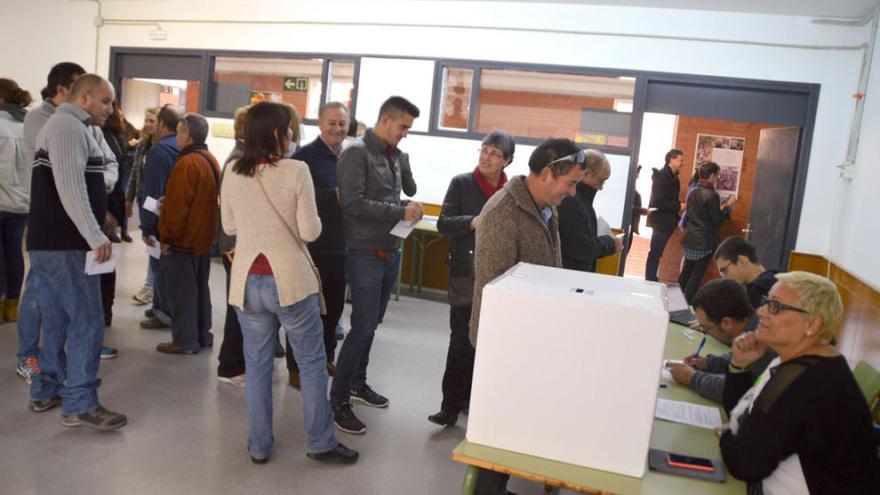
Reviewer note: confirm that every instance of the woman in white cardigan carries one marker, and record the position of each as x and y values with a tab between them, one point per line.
268	202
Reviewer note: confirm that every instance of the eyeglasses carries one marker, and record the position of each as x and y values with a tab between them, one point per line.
579	158
774	307
492	154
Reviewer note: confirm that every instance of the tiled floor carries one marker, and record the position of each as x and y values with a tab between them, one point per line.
186	431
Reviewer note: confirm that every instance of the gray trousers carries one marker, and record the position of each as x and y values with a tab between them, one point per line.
188	298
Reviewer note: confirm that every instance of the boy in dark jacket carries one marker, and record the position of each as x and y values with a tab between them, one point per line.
664	209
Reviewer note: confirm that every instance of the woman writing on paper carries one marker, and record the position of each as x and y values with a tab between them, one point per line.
804	425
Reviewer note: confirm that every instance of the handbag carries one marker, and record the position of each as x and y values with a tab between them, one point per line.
298	242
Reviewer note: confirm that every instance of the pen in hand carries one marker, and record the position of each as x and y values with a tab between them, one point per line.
700	347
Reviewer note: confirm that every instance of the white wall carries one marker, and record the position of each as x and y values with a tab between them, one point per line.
856	233
565	34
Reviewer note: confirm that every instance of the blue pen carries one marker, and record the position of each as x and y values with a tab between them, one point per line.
700	347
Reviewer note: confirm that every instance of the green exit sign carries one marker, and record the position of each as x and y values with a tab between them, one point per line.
296	84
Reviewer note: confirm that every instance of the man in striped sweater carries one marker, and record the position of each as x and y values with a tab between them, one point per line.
68	204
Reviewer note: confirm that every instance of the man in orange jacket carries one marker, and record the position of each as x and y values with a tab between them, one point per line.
187	227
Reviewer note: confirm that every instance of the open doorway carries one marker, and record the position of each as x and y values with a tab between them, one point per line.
757	161
139	94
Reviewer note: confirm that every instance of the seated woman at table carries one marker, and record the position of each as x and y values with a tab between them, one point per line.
804	425
459	218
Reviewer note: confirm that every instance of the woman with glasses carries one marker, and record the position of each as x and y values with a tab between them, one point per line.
803	426
268	202
459	218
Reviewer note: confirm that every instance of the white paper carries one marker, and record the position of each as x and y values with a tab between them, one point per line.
675	298
602	227
665	373
153	251
404	228
687	413
95	268
151	205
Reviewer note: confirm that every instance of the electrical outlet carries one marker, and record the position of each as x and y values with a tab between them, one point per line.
223	130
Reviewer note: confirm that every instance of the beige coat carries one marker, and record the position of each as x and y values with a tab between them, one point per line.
511	230
247	214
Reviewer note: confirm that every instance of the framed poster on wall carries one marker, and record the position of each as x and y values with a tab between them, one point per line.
727	152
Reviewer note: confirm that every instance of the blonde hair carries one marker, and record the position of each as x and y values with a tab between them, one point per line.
818	296
154	111
239	121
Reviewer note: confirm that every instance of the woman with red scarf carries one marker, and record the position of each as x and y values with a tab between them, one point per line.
459	217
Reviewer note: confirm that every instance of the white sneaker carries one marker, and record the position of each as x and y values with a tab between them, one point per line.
143	296
237	381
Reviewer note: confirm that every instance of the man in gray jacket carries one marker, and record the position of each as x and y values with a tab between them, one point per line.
723	310
369	182
520	223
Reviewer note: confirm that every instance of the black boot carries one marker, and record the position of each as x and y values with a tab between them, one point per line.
444	418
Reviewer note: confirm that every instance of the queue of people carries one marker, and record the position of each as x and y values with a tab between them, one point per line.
298	224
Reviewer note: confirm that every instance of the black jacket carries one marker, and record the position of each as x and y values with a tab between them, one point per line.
704	217
322	165
369	191
464	200
664	204
581	245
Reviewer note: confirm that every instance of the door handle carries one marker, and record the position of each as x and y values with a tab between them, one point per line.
747	231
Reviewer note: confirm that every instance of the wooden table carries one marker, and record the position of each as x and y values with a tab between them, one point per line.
665	435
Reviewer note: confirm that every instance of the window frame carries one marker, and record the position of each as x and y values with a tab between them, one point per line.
437	98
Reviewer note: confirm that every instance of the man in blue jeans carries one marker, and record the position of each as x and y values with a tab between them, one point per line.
369	182
69	201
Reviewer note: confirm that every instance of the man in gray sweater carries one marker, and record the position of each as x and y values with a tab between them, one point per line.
723	310
70	200
369	182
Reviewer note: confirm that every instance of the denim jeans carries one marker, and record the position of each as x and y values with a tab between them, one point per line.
11	256
73	329
29	319
371	280
259	320
160	305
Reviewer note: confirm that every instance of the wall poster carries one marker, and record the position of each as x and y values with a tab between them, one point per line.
727	152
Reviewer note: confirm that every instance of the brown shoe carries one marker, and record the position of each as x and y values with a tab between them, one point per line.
172	348
294	379
331	369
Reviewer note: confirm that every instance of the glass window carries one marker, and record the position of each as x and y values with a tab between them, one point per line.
241	81
456	98
341	82
587	109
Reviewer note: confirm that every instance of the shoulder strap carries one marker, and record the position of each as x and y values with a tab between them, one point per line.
211	166
298	242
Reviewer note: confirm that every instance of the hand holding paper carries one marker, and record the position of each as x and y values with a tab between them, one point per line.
151	205
95	267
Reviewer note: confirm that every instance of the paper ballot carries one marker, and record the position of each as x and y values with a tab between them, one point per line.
404	228
153	251
602	227
95	268
687	413
151	205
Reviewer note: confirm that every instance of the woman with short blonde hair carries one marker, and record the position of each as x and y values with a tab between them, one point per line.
803	426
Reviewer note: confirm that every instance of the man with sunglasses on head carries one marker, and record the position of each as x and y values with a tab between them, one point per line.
578	225
724	312
520	223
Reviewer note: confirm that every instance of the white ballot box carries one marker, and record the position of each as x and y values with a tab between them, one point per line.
567	367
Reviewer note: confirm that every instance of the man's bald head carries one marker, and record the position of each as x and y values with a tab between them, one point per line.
598	169
95	95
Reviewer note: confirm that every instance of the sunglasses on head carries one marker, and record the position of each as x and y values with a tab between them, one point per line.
579	158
